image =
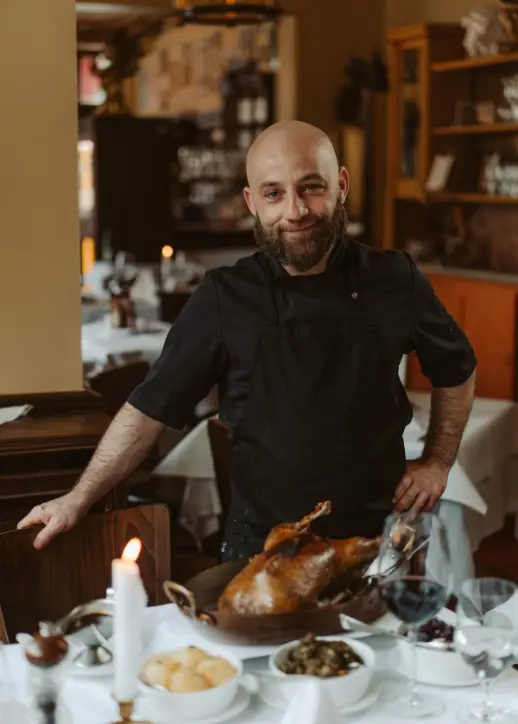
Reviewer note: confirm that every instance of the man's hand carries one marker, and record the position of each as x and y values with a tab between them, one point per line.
421	487
57	516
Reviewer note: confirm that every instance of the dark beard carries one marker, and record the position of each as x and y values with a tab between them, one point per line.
309	252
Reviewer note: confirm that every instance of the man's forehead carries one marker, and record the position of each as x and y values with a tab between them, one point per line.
290	164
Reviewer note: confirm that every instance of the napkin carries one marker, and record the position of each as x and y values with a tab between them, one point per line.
312	705
9	414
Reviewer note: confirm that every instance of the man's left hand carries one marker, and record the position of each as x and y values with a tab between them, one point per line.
421	487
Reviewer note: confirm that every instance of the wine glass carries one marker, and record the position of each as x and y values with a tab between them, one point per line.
415	584
486	639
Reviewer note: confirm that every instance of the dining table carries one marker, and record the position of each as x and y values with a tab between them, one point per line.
87	699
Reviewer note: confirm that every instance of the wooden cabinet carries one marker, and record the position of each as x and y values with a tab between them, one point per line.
487	313
43	454
490	324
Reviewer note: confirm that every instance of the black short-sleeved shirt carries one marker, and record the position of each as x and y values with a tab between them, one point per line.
214	339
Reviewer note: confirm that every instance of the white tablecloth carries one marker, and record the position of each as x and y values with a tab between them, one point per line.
482	479
88	700
99	339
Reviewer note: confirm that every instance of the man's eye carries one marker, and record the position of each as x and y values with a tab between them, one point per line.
272	195
313	187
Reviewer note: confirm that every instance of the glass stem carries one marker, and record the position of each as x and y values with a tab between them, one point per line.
413	696
486	713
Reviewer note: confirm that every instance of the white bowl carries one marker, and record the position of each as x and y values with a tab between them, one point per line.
344	690
435	666
165	706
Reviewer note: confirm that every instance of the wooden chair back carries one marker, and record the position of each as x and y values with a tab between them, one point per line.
115	385
221	448
76	566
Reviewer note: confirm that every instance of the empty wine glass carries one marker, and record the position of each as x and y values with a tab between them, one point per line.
415	583
486	640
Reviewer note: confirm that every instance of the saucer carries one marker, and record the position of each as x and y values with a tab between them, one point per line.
396	664
271	695
238	706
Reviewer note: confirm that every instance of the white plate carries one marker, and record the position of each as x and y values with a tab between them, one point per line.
12	710
91	672
390	624
238	706
271	695
396	664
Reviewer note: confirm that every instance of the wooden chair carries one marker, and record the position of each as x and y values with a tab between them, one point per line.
4	639
115	385
221	449
76	566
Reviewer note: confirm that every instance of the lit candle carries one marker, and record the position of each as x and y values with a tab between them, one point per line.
130	602
166	262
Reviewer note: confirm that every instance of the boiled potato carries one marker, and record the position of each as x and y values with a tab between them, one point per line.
217	670
186	670
158	669
190	656
186	679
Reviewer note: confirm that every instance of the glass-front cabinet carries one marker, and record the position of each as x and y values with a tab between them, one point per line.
416	104
407	117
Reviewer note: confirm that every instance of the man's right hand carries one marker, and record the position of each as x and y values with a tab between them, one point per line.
57	516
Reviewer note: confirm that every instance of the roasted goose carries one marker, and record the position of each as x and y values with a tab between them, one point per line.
294	568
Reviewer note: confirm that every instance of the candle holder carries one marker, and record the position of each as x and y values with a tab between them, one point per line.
126	714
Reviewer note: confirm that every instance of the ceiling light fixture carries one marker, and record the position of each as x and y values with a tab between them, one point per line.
226	12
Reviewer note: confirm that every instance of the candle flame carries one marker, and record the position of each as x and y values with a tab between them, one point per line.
132	550
167	251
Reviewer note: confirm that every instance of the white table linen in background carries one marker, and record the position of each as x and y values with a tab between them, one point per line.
201	510
483	471
89	700
99	340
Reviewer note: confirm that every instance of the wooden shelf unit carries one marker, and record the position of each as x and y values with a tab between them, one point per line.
476	129
421	127
451	197
482	61
422	108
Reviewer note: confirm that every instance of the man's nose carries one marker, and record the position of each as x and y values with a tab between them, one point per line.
296	208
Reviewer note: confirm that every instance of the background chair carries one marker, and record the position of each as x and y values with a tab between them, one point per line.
116	384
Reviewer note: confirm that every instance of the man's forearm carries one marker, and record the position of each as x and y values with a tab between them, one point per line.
124	446
450	411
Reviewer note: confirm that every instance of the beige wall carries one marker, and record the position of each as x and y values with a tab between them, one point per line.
39	252
408	12
329	32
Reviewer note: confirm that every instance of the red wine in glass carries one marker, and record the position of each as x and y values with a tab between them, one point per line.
413	599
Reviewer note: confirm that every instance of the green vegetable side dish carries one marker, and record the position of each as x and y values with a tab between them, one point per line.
316	657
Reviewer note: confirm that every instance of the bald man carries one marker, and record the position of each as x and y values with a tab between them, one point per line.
304	340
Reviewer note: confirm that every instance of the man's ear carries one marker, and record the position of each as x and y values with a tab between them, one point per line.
247	193
343	183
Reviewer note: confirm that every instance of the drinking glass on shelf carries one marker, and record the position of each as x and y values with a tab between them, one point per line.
415	584
486	640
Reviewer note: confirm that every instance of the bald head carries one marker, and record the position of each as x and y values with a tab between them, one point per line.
289	140
296	191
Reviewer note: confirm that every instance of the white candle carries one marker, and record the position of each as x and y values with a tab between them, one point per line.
130	602
166	264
